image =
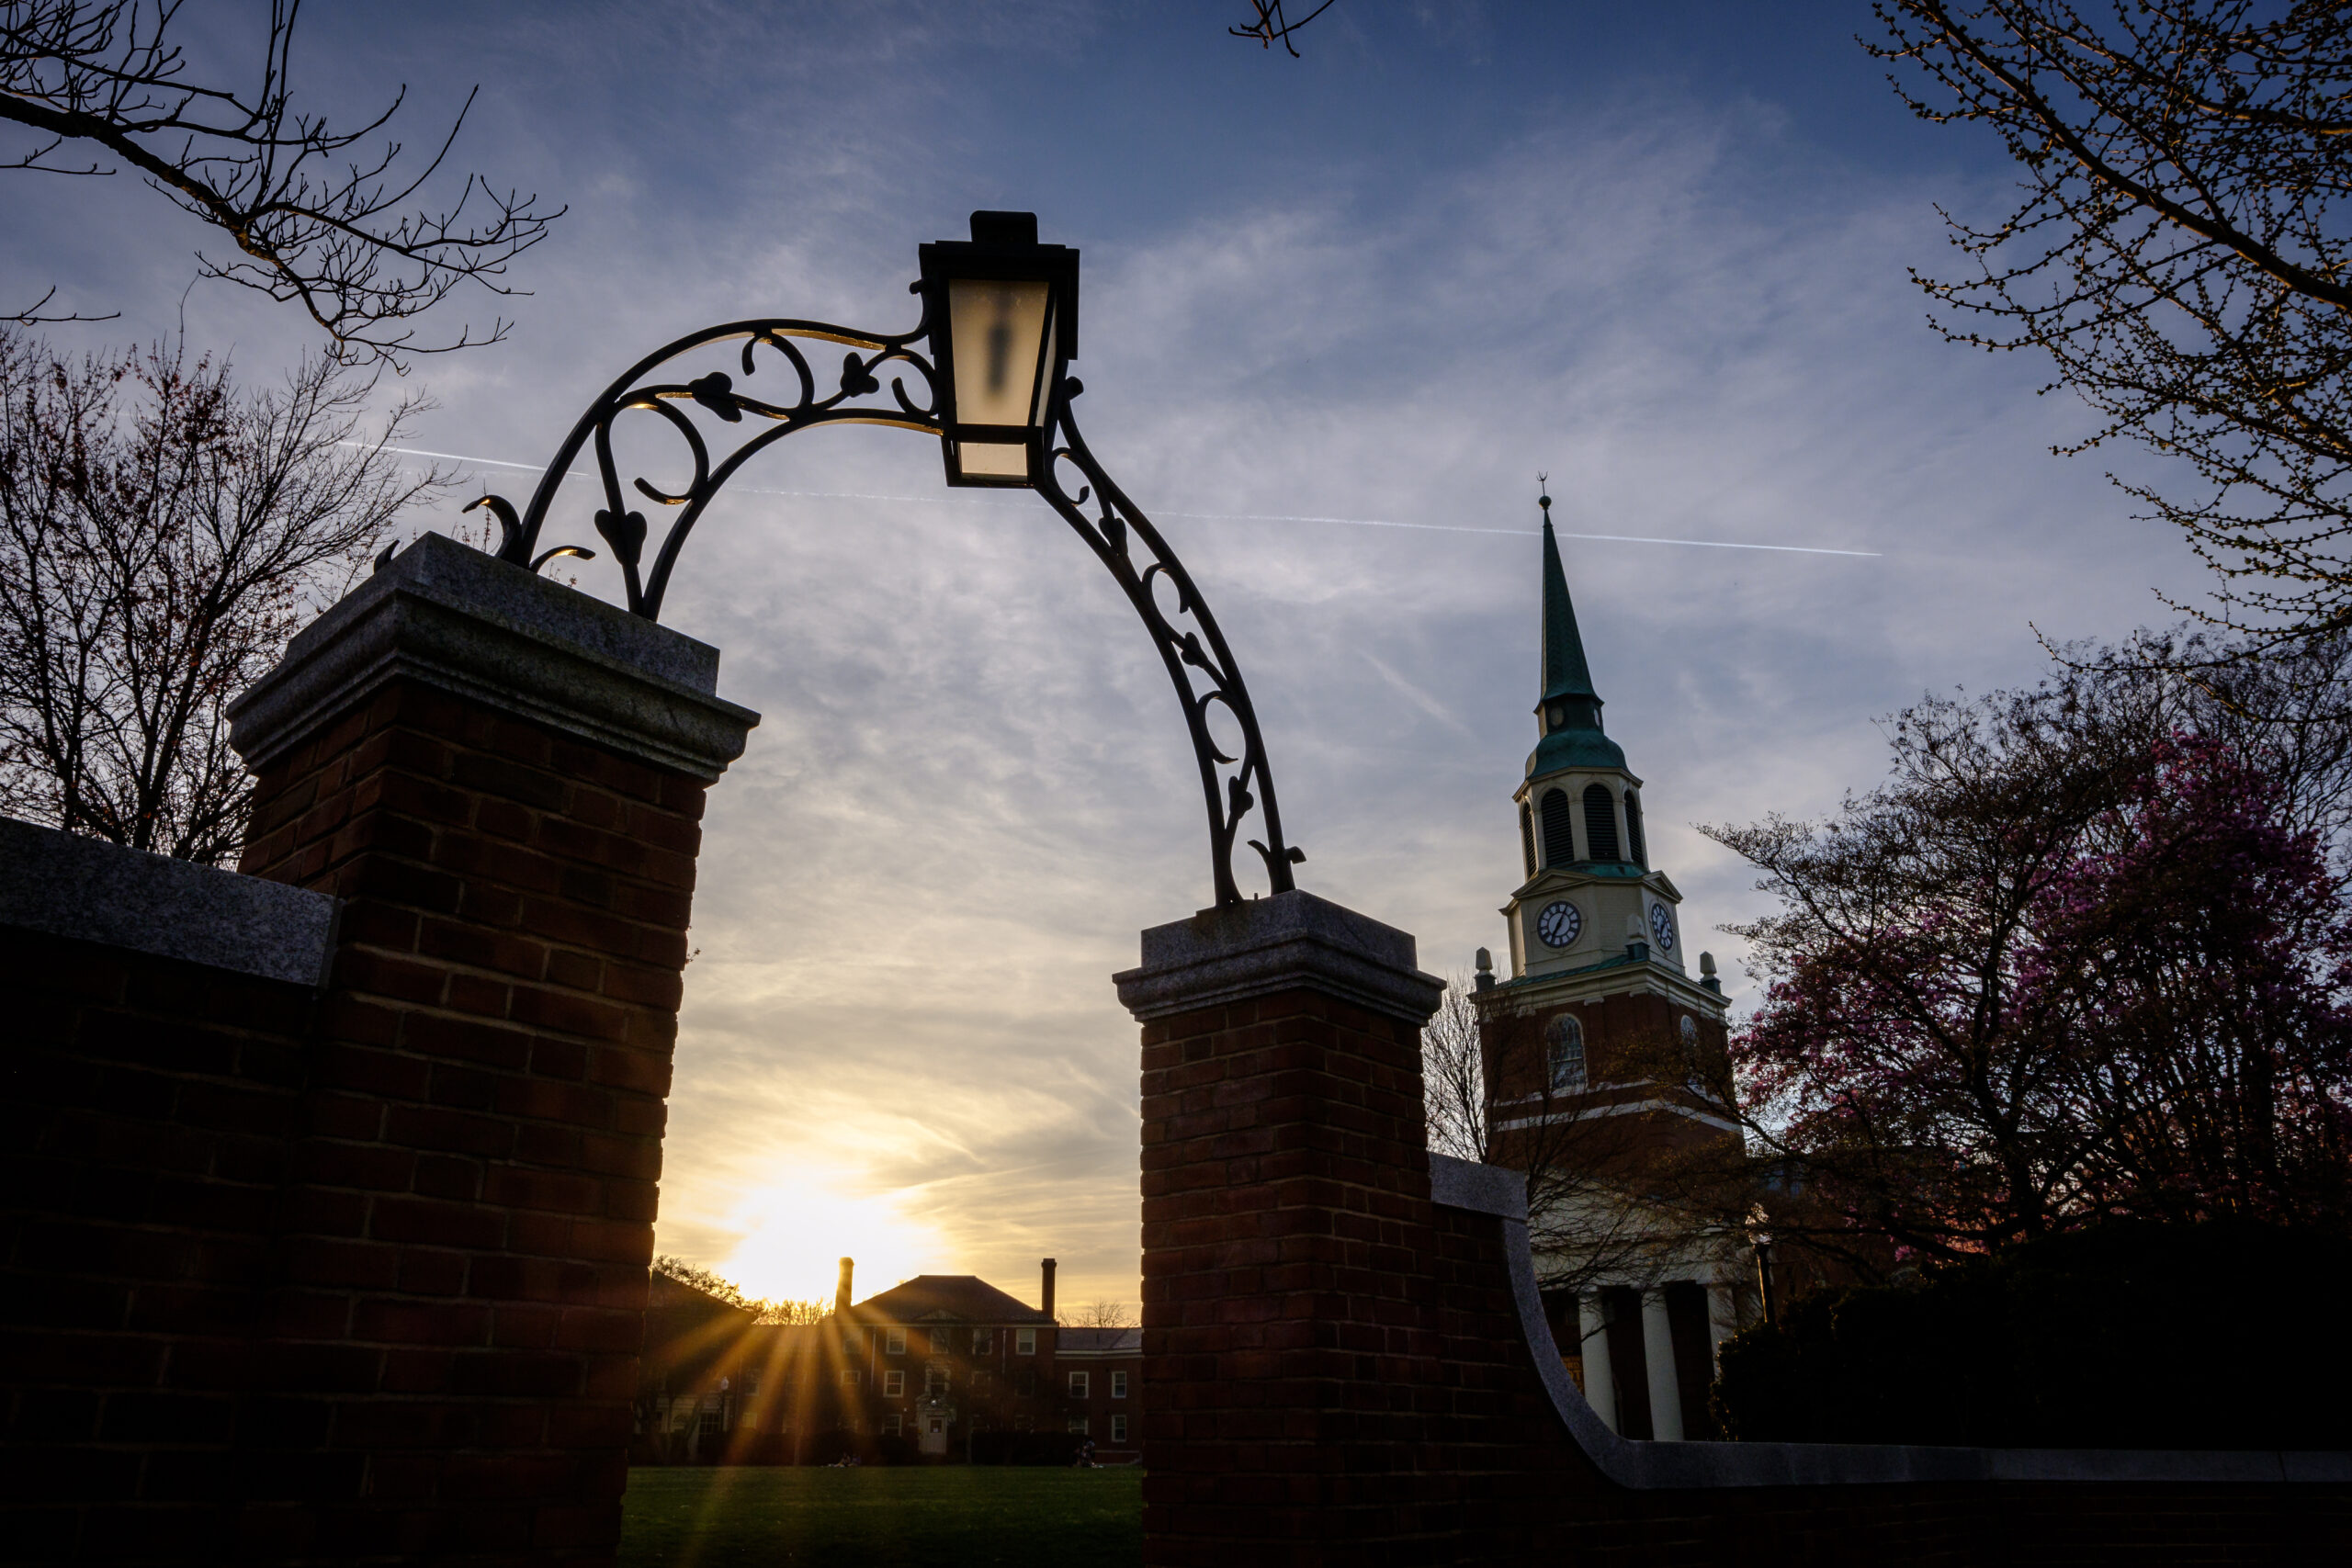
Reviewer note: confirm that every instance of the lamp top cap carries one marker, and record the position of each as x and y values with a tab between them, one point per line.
1004	228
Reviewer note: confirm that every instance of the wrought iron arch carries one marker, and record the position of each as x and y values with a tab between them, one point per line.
1200	664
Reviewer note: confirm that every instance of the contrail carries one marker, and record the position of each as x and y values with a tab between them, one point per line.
1199	516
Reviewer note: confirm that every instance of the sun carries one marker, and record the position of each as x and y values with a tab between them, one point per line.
794	1233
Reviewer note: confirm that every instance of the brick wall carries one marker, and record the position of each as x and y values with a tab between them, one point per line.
360	1274
483	1131
144	1136
1341	1370
1285	1220
355	1270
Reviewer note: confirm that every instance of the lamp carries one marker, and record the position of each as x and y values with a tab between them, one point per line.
1003	326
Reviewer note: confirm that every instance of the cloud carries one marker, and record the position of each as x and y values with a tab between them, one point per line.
971	787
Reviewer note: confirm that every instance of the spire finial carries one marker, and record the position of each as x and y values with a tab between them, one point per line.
1543	496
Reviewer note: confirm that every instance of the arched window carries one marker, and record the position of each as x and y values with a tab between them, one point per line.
1599	822
1566	1055
1527	838
1694	1071
1559	839
1633	830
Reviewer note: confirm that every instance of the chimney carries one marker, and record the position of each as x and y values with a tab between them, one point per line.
1047	1306
840	1292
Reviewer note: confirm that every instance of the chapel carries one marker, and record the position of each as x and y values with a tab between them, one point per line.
1597	1050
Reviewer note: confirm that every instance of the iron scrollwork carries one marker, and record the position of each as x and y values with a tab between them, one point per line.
1201	666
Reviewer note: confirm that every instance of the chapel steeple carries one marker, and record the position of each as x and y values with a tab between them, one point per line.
1567	715
1567	679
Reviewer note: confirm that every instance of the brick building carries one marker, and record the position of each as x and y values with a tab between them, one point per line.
929	1369
1103	1390
1595	1049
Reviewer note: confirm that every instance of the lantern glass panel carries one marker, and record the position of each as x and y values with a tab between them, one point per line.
993	459
1000	336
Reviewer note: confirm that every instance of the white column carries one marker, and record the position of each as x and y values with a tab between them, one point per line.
1723	1320
1657	1349
1600	1381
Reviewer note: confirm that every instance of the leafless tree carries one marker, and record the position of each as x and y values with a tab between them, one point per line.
1101	1315
1596	1210
763	1309
161	534
2179	250
329	218
1271	26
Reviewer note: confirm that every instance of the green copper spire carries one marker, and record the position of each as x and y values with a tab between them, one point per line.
1565	671
1568	715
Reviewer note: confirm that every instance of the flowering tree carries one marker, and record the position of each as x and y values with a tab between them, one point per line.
2072	959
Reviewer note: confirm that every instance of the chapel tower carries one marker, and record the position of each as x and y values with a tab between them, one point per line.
1599	1007
1599	1051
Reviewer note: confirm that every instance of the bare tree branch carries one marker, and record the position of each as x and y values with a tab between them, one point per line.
2180	251
162	534
1271	26
313	222
1602	1202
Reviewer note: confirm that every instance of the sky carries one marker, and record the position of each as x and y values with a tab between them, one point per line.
1662	253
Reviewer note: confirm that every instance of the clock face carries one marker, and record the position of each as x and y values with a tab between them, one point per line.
1559	923
1662	928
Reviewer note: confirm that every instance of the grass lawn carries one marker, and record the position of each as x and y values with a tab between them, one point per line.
881	1517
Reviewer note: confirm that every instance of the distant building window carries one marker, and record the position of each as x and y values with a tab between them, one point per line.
1078	1425
752	1381
934	1382
1078	1383
894	1343
1599	822
1559	838
890	1426
712	1423
894	1384
1633	830
1118	1385
1118	1429
1566	1055
1024	1341
849	1377
1527	838
983	1341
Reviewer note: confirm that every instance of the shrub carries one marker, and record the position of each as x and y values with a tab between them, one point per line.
2225	1335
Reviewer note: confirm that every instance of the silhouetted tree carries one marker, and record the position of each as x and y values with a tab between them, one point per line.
2072	959
2179	250
317	215
763	1309
1601	1204
161	534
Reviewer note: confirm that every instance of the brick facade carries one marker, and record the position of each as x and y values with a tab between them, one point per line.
358	1272
1344	1370
146	1149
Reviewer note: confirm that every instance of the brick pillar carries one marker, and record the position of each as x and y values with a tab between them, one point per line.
501	779
1289	1342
